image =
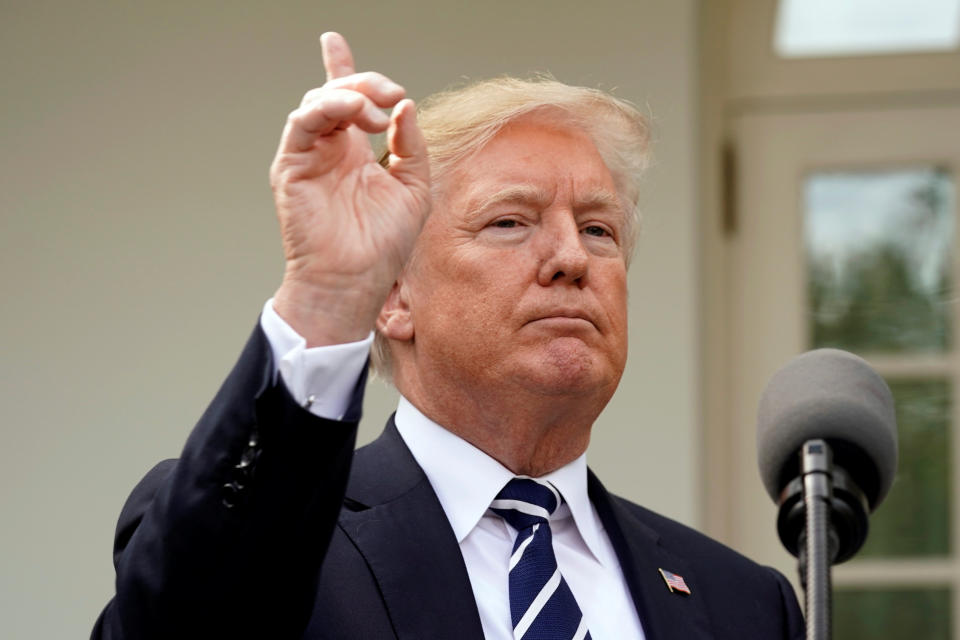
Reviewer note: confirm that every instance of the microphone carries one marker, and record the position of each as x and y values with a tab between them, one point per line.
833	396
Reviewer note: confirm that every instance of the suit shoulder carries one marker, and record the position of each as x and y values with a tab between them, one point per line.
694	545
738	593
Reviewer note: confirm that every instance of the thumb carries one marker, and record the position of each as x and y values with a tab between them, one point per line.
408	150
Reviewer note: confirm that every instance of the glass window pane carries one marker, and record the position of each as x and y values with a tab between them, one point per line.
894	614
879	250
914	520
810	28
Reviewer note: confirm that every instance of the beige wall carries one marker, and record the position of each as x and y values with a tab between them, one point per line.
138	240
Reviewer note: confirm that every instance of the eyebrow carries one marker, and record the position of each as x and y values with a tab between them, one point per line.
524	194
599	199
517	194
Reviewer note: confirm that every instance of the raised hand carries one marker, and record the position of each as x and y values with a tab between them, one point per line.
348	225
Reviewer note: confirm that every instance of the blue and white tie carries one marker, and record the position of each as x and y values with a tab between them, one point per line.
542	607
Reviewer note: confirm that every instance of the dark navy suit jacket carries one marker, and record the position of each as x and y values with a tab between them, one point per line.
270	526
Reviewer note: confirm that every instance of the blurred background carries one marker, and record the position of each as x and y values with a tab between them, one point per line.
803	194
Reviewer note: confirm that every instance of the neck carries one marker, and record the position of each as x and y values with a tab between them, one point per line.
528	433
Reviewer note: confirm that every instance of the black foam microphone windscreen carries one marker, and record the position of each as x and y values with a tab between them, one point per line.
836	396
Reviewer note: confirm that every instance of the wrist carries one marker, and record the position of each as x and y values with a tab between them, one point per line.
326	315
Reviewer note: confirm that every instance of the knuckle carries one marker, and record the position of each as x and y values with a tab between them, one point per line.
310	96
297	120
362	85
281	178
276	174
371	80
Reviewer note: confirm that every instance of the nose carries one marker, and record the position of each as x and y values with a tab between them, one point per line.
564	258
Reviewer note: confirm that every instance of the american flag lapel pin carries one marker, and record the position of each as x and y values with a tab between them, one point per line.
674	582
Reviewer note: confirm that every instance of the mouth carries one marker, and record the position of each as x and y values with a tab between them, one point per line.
563	318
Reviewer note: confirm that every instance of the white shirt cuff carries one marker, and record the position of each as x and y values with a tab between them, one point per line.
324	376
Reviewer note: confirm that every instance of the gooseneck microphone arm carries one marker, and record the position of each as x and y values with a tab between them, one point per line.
818	553
822	521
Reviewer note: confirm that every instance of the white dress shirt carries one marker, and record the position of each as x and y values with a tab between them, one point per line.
466	480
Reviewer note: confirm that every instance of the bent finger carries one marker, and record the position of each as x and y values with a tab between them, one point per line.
335	110
382	90
306	124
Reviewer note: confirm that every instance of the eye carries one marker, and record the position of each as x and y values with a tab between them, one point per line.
506	223
595	230
506	227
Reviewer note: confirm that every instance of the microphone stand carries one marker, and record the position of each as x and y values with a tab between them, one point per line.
822	521
819	547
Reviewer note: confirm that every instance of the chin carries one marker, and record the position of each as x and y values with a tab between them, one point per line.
568	367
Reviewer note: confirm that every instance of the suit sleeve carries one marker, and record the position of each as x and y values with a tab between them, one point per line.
793	623
228	540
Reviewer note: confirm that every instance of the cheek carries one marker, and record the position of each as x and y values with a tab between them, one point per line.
481	277
614	288
616	305
462	298
621	313
473	307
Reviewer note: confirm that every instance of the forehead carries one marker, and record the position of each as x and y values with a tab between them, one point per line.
530	160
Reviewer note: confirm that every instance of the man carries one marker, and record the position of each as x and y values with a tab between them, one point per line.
501	316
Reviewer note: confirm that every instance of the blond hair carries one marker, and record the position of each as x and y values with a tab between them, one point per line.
458	122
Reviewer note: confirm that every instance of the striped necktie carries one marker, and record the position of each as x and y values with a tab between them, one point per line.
542	607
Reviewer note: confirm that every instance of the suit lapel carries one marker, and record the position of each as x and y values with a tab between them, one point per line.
663	614
395	520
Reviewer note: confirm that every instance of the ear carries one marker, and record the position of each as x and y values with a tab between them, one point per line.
395	320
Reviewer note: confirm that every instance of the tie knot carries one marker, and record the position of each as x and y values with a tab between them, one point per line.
525	502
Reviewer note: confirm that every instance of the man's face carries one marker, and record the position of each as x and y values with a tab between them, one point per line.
519	280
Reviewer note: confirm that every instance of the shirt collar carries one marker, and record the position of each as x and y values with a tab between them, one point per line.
466	480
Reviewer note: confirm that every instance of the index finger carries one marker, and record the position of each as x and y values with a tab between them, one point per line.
337	59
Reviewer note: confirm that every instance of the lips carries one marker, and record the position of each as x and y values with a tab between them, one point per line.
562	315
